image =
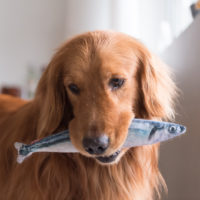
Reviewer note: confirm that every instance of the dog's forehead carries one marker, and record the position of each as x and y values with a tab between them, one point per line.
103	62
117	62
100	59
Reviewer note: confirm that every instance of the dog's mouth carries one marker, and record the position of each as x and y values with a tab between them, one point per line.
108	159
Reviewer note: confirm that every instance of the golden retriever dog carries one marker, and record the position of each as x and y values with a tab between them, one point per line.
95	84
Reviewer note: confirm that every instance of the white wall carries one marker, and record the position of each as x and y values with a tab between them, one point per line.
31	30
154	22
180	159
29	33
87	15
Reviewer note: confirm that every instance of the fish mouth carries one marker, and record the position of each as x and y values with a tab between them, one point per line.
108	159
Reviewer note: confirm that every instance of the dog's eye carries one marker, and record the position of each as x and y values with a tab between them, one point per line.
116	83
74	88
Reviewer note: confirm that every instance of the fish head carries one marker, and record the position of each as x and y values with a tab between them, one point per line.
175	129
165	132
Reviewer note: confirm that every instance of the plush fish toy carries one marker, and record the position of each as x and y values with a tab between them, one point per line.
141	132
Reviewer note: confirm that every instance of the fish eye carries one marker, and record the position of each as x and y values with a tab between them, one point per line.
172	129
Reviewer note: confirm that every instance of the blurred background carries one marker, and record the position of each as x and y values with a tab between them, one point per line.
30	32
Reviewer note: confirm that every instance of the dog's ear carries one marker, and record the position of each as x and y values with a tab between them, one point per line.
157	90
55	108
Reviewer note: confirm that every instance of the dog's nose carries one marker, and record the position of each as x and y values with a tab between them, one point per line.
96	145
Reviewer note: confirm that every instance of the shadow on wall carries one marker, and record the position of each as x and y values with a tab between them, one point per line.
179	160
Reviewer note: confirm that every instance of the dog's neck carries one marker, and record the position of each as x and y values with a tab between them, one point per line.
85	178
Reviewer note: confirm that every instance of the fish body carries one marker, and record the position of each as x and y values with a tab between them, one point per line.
140	132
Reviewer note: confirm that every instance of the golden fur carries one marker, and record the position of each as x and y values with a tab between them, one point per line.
89	60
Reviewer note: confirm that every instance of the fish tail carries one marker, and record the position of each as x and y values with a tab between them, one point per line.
20	156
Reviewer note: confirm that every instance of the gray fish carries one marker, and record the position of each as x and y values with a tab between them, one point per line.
141	132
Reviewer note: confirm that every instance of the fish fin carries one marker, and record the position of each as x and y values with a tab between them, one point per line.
20	158
18	145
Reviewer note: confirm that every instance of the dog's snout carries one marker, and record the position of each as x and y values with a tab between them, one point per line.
96	145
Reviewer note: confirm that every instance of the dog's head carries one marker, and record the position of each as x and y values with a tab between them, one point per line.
97	82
